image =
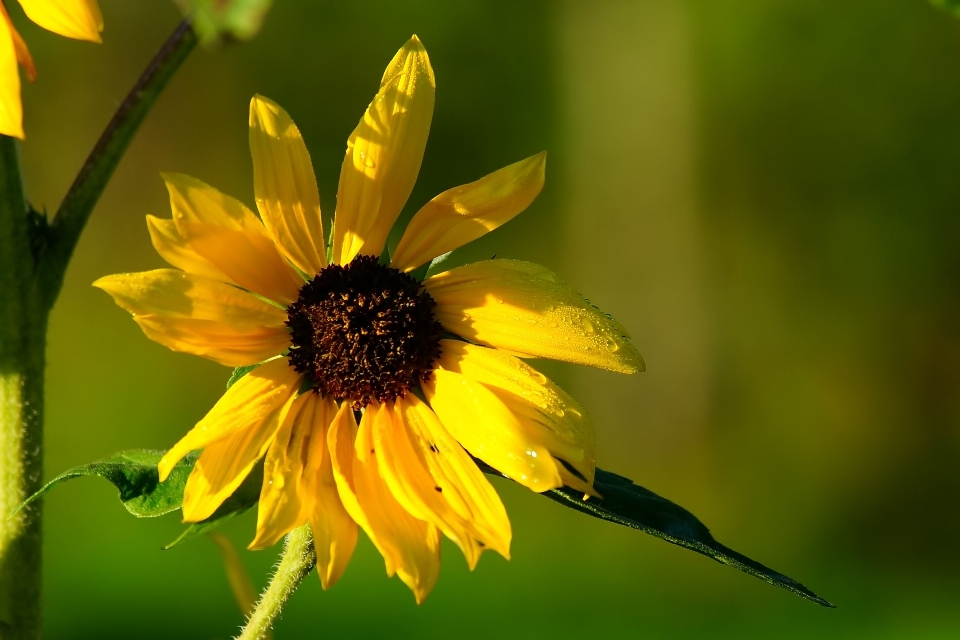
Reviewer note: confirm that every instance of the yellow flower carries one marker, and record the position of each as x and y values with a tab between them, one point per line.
78	19
434	368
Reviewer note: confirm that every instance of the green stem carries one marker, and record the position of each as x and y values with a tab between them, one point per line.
298	559
33	261
78	204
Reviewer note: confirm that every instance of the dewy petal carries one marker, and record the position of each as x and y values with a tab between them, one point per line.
285	186
223	465
486	427
225	233
245	405
434	479
465	213
334	531
80	19
526	310
549	416
11	110
384	154
197	315
410	547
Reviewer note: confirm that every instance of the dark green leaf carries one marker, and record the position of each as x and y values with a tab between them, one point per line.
216	21
633	506
134	473
952	6
242	500
239	372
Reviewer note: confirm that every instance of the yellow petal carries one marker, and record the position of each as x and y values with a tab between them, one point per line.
434	479
285	186
20	47
334	531
224	464
11	110
280	509
526	310
548	415
80	19
384	154
486	427
465	213
225	233
410	547
175	249
201	316
245	406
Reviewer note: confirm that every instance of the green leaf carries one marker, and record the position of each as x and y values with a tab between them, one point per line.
239	372
242	500
953	6
217	21
631	505
135	474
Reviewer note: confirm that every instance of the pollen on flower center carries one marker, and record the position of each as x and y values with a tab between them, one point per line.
363	332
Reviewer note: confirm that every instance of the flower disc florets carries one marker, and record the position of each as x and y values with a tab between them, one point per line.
363	332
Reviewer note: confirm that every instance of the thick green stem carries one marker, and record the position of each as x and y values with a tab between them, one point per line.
299	558
23	324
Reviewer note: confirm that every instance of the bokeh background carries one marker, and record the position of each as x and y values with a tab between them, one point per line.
764	192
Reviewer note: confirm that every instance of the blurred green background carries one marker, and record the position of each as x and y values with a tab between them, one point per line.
764	192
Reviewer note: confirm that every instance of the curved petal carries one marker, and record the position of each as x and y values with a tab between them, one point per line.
384	154
410	547
11	110
526	310
20	47
548	415
80	19
223	465
486	427
465	213
285	186
434	479
245	405
175	249
225	233
197	315
334	531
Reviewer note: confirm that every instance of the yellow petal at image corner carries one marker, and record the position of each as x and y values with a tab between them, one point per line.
549	416
79	19
526	310
197	315
486	427
175	249
11	110
384	154
410	547
224	464
225	233
334	531
285	186
434	479
465	213
20	47
244	406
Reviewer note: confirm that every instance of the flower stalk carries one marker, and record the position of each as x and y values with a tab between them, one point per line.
296	563
34	255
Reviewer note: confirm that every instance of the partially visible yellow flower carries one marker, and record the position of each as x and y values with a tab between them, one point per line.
78	19
432	369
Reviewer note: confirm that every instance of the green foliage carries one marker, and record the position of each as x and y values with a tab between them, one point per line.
239	372
135	474
952	6
217	21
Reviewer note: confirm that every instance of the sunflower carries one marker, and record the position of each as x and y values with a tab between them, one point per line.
373	389
79	19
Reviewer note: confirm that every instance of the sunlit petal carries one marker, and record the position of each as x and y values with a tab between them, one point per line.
175	249
384	154
197	315
11	110
80	19
465	213
245	405
285	185
526	310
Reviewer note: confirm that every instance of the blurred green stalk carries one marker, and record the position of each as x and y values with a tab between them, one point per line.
33	260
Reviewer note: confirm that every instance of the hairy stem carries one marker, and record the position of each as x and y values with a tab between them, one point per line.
88	186
297	561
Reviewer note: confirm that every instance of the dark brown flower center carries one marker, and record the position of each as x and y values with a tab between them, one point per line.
363	332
